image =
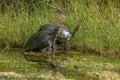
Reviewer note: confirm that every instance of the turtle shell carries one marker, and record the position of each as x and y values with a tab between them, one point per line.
64	33
38	41
41	39
63	36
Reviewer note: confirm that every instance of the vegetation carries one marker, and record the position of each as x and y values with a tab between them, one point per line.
74	66
99	19
99	34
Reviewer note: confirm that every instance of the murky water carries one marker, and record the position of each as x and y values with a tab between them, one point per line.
72	65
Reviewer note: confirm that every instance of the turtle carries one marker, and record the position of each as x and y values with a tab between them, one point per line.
42	40
63	36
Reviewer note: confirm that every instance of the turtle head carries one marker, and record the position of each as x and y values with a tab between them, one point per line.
76	30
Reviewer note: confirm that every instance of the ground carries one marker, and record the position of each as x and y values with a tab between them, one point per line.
64	66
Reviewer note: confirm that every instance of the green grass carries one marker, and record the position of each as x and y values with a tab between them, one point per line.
99	33
74	66
99	21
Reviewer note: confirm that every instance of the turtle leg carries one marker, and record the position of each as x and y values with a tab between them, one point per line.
49	50
66	45
53	50
50	61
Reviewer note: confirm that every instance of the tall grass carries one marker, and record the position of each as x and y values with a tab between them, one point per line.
100	21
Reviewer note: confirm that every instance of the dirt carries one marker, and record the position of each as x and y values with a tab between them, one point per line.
104	75
44	76
9	74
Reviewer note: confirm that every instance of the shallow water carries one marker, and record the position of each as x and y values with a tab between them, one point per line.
72	65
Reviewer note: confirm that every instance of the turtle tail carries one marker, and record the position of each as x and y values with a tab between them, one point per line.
76	30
